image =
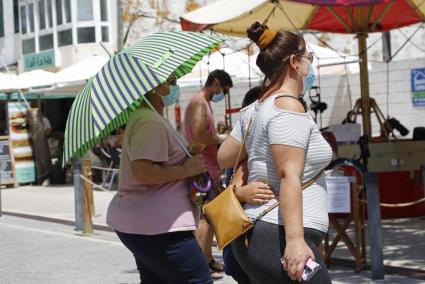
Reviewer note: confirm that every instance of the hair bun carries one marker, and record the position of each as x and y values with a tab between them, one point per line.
255	31
261	35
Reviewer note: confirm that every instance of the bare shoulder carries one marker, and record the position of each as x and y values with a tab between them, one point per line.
290	104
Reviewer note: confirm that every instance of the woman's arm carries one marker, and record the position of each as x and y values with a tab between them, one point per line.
150	172
228	153
255	192
289	164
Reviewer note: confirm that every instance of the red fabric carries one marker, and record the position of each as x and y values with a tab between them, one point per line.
400	187
400	14
342	2
192	27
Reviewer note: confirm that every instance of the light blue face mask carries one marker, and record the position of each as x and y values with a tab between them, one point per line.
308	80
217	97
173	96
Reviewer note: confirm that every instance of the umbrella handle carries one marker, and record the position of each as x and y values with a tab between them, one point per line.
200	188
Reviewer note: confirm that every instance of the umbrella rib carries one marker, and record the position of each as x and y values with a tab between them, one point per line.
416	8
370	13
310	18
341	20
380	17
287	17
350	14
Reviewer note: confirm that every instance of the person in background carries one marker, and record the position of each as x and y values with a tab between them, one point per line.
284	148
199	127
47	126
152	213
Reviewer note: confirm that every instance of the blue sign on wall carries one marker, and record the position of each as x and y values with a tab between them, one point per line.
417	77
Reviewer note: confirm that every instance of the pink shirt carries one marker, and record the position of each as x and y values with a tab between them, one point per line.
148	209
210	152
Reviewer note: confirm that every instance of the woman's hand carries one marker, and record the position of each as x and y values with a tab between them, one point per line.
254	193
297	252
194	166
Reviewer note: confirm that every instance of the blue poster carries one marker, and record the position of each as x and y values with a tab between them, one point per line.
418	86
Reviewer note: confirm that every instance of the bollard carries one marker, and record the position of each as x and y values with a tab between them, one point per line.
374	225
78	194
87	199
87	172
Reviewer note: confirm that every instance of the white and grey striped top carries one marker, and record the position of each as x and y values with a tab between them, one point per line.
272	125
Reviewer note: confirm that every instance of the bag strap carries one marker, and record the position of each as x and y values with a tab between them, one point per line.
303	186
241	149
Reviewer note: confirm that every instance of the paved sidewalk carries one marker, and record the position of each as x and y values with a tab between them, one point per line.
404	239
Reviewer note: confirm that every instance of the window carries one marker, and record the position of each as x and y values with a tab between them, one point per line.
1	19
59	19
67	7
16	15
24	19
86	35
41	15
28	46
105	34
104	10
85	10
65	37
45	42
49	14
31	17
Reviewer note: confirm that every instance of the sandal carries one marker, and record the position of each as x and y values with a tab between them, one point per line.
215	275
216	266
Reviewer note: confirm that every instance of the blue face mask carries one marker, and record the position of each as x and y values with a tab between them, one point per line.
217	97
308	80
173	96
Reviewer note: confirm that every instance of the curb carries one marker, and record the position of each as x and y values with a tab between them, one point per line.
54	220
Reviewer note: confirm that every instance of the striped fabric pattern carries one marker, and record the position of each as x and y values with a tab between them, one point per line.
108	99
273	126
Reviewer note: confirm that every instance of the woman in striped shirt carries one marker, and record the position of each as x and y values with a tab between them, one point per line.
284	149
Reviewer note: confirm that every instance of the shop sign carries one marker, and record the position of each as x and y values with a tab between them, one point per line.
39	60
418	86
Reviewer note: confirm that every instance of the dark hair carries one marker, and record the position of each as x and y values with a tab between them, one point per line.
251	96
273	60
222	76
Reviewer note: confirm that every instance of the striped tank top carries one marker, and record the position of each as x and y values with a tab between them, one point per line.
272	125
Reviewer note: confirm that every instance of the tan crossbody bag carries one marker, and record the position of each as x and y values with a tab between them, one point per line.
225	213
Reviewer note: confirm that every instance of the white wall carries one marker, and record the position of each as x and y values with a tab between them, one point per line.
335	92
8	43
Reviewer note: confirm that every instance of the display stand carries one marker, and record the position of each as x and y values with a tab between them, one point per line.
356	246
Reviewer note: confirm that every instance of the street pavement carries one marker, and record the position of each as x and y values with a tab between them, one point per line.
34	251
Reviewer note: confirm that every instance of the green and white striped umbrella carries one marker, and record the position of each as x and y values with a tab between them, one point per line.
108	99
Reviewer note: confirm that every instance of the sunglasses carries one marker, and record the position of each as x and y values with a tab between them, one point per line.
309	56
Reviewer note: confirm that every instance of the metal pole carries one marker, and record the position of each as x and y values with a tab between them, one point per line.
374	225
119	26
78	195
364	83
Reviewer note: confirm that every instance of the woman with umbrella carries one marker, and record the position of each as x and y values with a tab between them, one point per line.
152	213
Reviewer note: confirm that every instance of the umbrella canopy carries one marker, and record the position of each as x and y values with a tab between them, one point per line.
339	16
336	16
238	64
81	71
108	99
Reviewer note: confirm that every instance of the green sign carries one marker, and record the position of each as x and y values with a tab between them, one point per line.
39	60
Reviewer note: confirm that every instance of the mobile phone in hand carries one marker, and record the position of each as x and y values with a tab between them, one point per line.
310	269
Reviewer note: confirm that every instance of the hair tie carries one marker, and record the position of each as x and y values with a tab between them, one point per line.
266	38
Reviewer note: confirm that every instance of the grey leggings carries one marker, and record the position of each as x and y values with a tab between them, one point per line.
261	260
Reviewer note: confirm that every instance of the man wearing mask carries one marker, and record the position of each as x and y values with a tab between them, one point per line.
199	127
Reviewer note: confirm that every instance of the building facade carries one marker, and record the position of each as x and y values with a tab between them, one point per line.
54	34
